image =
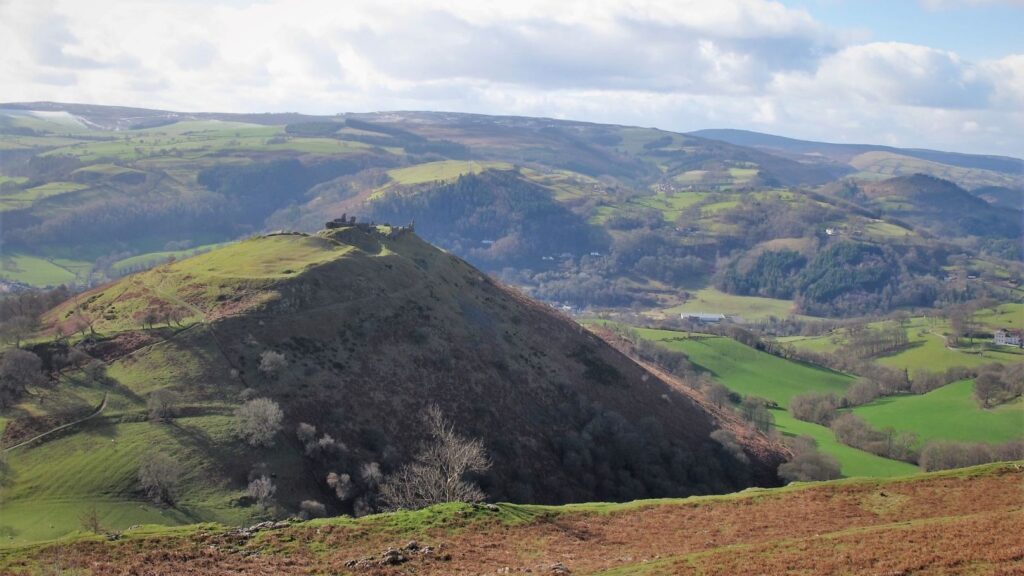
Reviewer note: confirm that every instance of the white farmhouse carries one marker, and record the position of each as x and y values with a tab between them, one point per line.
1008	337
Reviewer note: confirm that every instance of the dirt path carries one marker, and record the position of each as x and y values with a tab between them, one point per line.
95	413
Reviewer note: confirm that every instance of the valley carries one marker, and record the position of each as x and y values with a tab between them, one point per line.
610	313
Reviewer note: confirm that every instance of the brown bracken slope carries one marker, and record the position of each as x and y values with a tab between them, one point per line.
960	522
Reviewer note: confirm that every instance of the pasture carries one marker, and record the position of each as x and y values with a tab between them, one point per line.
748	371
34	271
948	413
747	307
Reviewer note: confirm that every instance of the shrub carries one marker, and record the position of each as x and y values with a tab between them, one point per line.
817	408
312	509
808	464
861	392
755	410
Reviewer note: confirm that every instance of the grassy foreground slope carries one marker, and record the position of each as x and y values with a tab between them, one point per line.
957	522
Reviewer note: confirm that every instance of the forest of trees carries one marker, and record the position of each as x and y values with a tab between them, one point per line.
495	219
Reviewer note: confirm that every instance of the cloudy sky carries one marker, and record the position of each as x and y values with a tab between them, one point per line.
944	74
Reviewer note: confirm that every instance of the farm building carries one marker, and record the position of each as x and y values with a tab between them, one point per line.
703	317
1008	337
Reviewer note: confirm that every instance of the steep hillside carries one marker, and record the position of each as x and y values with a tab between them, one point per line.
941	207
960	522
372	325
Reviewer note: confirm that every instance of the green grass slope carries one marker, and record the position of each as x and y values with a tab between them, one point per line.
948	413
748	371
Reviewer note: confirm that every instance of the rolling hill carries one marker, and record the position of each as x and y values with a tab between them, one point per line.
577	214
369	325
874	161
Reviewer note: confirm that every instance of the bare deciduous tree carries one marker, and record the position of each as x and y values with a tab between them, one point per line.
438	471
19	369
17	328
717	394
159	476
258	421
162	405
272	362
808	463
261	490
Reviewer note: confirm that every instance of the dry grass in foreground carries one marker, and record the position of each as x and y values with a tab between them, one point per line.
960	522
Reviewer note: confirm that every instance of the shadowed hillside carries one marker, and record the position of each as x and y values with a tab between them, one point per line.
354	332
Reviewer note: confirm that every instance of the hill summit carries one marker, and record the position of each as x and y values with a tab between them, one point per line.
354	332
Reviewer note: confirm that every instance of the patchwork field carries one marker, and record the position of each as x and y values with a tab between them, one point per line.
747	371
928	350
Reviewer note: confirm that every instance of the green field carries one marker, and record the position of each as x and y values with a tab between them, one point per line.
53	483
948	413
854	462
22	199
747	371
153	258
747	307
927	350
266	257
33	271
441	171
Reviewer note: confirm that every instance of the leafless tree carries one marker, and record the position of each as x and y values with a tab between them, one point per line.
261	490
258	421
17	328
159	477
90	520
808	463
19	369
438	471
272	362
717	394
162	405
861	392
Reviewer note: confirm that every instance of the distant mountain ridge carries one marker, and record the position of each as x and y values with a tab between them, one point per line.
844	152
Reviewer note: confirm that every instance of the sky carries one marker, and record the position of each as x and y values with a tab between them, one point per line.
943	74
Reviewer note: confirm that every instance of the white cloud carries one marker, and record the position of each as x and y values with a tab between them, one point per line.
676	64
